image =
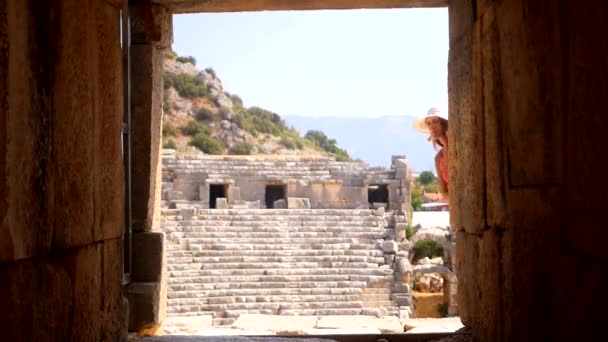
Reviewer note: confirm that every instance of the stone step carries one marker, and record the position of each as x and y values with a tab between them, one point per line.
275	229
278	224
217	241
273	295
379	302
283	246
221	280
275	308
293	252
281	272
303	214
268	292
271	266
227	321
286	212
282	234
177	260
320	286
236	302
267	223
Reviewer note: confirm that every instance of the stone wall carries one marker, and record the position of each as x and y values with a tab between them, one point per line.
61	179
325	182
527	84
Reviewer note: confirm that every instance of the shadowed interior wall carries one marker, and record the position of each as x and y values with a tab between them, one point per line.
527	84
61	174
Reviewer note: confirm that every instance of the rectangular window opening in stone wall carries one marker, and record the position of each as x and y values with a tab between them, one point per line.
274	193
377	195
216	191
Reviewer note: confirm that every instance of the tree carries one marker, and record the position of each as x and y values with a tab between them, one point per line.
426	177
433	187
416	200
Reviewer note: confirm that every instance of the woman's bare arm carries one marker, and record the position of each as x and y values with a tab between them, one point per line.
443	186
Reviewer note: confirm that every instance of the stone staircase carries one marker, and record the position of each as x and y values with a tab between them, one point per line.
228	262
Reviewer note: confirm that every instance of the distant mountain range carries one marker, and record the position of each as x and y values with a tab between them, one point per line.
373	140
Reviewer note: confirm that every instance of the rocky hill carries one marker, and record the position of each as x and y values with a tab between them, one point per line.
199	115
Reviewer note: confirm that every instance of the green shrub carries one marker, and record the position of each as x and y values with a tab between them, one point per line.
409	231
193	128
256	120
169	54
204	114
320	140
427	248
288	143
432	187
166	103
170	143
211	72
207	144
291	141
224	112
186	59
186	85
241	148
416	197
169	130
236	101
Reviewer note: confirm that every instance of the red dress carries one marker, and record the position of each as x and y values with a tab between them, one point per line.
443	166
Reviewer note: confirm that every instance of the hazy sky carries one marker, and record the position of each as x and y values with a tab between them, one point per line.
324	63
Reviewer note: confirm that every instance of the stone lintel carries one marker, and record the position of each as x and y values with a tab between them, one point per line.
151	24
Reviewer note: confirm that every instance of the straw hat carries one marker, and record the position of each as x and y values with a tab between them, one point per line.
439	112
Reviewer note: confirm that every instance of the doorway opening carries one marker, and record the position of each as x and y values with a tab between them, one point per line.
274	193
216	191
378	194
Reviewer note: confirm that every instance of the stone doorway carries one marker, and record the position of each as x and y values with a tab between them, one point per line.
377	193
274	193
216	191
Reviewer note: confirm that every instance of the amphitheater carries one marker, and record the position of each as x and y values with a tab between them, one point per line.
286	235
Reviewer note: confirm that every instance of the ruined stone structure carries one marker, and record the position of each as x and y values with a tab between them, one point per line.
527	85
261	180
329	246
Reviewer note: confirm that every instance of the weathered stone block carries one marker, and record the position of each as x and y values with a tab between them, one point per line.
146	112
466	154
151	24
36	301
148	256
144	305
113	318
467	250
187	213
489	285
536	148
221	203
298	203
390	247
84	266
461	19
280	204
494	114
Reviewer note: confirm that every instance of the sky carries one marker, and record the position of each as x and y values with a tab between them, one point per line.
365	63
